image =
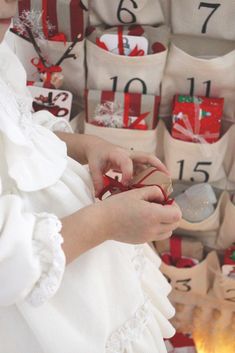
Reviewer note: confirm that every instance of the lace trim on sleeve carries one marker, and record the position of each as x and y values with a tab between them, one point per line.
47	245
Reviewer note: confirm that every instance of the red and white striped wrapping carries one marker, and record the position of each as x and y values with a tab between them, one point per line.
66	16
138	104
133	139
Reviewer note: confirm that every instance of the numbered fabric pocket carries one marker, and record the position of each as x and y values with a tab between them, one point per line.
224	288
134	140
202	67
195	162
73	68
206	18
207	230
195	279
226	235
123	12
134	74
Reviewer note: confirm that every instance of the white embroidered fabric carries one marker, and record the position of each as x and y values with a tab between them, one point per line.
47	244
130	332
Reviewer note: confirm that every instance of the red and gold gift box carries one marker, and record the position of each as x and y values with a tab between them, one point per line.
229	256
66	18
180	343
122	110
197	119
175	252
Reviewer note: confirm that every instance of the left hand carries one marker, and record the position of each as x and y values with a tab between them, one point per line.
103	156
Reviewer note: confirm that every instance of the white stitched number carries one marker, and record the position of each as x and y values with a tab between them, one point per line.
192	86
197	169
122	10
214	7
127	87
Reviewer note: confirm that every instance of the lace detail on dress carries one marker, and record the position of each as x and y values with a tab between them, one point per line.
139	261
131	331
25	119
48	247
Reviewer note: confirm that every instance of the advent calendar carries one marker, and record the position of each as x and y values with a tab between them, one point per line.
136	97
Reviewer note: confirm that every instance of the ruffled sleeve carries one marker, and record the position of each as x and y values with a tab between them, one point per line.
29	148
32	261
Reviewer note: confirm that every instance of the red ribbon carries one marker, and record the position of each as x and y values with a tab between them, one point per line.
101	44
179	263
229	256
44	18
59	37
136	123
114	186
174	258
48	70
120	41
137	52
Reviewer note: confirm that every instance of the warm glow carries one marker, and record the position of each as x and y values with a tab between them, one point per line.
212	336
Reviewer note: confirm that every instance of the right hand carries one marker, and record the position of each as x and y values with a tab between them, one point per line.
135	217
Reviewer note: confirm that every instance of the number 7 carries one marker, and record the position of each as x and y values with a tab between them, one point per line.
209	6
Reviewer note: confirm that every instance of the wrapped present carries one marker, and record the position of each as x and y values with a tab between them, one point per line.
149	177
175	256
197	119
60	20
229	256
126	40
180	343
178	246
122	110
228	268
57	102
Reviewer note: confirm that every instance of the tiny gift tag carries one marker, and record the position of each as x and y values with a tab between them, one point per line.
57	102
129	43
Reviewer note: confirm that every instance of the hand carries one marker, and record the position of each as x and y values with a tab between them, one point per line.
103	156
135	217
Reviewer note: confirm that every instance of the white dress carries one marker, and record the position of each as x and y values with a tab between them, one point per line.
112	299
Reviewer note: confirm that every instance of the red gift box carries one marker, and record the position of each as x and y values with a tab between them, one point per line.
122	110
66	17
174	257
180	343
229	256
197	119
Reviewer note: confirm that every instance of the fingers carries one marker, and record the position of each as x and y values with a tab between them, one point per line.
149	194
125	165
167	228
168	214
145	158
163	236
97	176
